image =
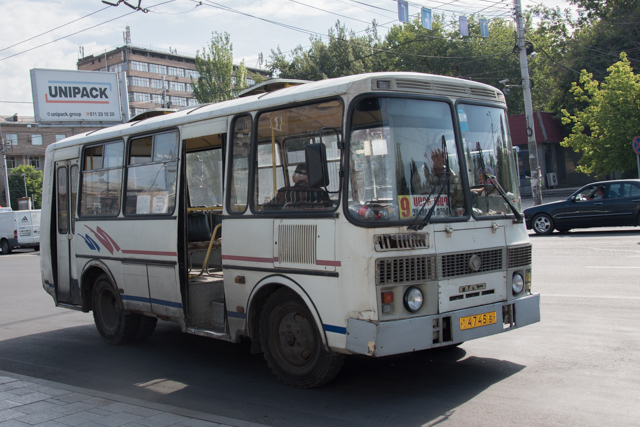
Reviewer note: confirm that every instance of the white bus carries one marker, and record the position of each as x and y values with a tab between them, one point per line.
373	214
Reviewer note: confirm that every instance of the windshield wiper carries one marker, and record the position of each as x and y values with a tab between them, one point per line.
427	218
494	182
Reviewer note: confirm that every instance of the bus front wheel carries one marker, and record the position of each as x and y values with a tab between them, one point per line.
115	325
291	343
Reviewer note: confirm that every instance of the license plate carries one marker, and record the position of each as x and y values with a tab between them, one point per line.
478	320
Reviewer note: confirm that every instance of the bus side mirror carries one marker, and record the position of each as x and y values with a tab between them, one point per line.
317	170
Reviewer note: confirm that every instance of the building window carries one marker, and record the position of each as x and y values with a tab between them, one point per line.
136	111
139	81
36	139
158	69
156	99
176	86
191	73
179	101
140	97
173	71
118	67
156	84
193	101
34	161
250	82
188	88
139	66
11	162
11	138
59	137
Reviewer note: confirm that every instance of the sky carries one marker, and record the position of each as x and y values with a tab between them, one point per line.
49	33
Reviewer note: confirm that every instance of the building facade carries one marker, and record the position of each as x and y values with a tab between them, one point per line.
155	79
26	142
557	163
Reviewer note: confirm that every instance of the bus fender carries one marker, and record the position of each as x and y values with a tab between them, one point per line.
90	272
259	294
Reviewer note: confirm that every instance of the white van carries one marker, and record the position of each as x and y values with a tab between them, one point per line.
19	229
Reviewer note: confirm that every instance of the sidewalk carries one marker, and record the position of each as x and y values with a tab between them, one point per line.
27	401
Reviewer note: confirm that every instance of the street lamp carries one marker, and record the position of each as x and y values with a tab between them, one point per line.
24	178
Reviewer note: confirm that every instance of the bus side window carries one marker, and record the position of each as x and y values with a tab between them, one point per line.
151	175
101	179
239	178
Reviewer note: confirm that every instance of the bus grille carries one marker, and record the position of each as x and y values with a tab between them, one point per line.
452	265
519	256
297	243
398	242
413	85
483	93
405	269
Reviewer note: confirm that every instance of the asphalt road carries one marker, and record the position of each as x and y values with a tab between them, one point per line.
577	367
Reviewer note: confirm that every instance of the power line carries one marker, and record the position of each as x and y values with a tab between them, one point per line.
81	31
53	29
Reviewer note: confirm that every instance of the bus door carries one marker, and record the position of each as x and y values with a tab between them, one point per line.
67	289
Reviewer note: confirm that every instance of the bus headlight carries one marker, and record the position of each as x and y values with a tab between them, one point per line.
413	299
517	283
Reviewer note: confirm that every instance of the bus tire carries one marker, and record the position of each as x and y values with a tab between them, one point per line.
114	324
291	343
6	247
146	327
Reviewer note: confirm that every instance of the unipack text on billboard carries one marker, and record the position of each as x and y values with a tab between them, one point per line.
75	96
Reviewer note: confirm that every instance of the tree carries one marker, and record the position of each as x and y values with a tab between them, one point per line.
33	180
604	129
217	81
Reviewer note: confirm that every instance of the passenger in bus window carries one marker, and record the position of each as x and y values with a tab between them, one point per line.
300	195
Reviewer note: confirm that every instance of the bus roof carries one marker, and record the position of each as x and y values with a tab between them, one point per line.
433	84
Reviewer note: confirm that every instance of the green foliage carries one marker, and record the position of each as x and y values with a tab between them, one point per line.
217	81
604	129
33	180
344	54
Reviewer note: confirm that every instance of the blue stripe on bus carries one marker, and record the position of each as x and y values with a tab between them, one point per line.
335	329
237	315
151	300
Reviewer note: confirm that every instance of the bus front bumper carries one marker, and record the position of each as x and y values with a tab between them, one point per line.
420	333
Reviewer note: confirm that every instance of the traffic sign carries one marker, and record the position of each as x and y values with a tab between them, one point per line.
636	144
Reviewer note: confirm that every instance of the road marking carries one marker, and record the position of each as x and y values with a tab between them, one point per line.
606	266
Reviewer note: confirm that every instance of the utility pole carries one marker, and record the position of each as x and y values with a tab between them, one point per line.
536	187
3	150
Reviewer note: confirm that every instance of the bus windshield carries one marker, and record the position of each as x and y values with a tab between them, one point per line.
401	153
487	147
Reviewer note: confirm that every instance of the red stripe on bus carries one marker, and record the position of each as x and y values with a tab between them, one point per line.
49	101
328	263
124	251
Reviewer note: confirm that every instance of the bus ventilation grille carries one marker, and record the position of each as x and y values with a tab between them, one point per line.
519	256
297	243
406	269
399	242
451	90
487	94
412	85
452	265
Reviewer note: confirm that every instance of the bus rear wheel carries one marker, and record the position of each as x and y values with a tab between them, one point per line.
115	325
6	248
291	343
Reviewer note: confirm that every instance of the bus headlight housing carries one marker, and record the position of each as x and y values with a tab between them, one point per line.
517	283
413	299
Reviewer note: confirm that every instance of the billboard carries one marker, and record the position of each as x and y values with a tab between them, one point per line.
75	96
